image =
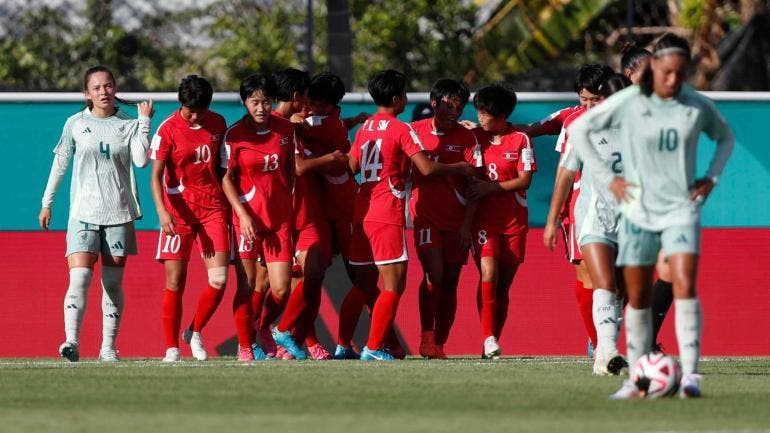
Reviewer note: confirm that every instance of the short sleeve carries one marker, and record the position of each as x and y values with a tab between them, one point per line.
410	142
472	151
355	149
570	160
66	145
526	154
226	153
162	144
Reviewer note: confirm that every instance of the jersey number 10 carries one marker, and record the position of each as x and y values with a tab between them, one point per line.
669	140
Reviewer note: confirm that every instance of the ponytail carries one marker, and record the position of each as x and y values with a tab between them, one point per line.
99	68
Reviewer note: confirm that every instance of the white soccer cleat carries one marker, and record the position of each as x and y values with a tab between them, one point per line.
70	351
491	348
108	354
196	346
628	391
609	363
172	355
689	387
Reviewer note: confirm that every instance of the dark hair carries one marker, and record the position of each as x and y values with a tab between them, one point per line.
255	82
632	57
613	85
495	99
666	45
288	81
326	87
100	68
386	85
589	77
448	88
422	110
195	92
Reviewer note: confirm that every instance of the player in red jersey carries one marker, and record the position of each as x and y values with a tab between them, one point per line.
501	222
442	220
382	151
190	204
259	157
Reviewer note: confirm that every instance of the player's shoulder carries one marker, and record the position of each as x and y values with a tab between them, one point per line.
573	116
215	120
422	125
515	137
236	130
280	125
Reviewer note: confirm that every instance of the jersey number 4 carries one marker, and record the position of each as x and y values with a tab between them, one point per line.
371	161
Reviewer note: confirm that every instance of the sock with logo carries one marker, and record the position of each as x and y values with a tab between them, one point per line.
75	302
112	304
605	320
638	333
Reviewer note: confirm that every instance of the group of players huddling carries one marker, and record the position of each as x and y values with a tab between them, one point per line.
274	194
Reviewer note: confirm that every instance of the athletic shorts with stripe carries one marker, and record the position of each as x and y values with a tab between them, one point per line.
428	237
269	246
377	243
212	233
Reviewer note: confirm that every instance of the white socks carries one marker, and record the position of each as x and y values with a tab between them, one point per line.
638	333
605	320
75	302
112	303
688	330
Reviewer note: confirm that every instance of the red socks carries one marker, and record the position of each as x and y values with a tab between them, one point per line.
585	299
488	308
257	299
382	318
501	314
445	315
207	305
428	304
295	306
171	316
273	308
350	311
243	316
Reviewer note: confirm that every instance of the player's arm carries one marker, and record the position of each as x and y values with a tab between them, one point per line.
139	142
352	122
561	189
465	228
479	187
63	153
717	129
431	168
248	228
165	219
323	163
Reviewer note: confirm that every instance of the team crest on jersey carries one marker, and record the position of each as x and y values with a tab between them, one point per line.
215	137
283	141
452	147
511	156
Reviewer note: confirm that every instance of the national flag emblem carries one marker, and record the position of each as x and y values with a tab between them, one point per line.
452	148
511	156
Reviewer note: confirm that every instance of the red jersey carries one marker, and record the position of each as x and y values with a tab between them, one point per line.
553	123
505	212
382	147
441	200
561	147
263	162
192	187
322	135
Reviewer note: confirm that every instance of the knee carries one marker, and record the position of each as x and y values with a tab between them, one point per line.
112	277
218	277
80	278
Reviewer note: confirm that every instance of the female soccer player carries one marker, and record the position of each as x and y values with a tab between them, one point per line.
190	204
500	225
596	231
104	203
258	154
660	122
442	219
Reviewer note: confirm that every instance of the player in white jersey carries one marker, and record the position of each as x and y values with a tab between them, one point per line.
660	123
596	227
104	142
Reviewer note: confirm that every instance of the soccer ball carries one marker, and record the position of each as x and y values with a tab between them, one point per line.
657	375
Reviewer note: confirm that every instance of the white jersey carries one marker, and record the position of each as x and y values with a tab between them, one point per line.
103	189
658	143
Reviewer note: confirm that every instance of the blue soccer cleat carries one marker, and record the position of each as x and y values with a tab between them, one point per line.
342	352
258	354
376	355
285	340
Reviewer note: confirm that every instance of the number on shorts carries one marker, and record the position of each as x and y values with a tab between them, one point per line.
482	237
492	172
425	236
271	162
245	246
371	164
202	154
172	244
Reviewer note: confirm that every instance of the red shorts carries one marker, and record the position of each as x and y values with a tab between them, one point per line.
313	237
571	246
212	234
378	243
509	249
341	230
428	237
269	246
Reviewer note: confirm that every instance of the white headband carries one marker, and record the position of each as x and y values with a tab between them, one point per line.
671	50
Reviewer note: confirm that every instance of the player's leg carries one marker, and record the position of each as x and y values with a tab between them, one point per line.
488	250
662	297
446	308
171	306
511	255
384	312
430	252
584	296
81	271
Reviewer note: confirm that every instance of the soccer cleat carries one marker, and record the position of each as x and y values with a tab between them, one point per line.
108	354
285	340
491	348
258	353
172	355
690	386
342	352
427	344
268	344
70	351
590	348
196	346
397	352
318	352
608	364
628	391
376	355
283	354
439	352
245	354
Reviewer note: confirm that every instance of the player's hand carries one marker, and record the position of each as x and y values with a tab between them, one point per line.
468	124
167	223
701	190
549	236
465	238
298	118
146	108
478	188
361	118
339	157
466	169
619	188
44	218
248	228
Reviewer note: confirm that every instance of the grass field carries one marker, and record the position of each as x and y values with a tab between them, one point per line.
459	395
